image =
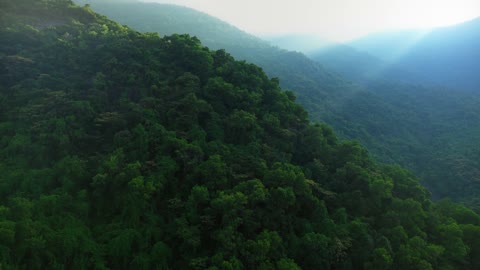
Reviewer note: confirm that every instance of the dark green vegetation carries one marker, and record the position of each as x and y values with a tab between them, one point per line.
431	131
122	150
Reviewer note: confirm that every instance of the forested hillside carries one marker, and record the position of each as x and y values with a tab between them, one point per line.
432	131
409	124
435	131
122	150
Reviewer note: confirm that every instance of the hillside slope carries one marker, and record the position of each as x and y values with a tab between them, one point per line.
309	79
397	122
122	150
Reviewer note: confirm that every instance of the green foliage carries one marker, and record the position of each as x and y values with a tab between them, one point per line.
399	123
123	150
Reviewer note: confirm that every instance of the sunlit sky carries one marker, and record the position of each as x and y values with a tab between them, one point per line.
336	20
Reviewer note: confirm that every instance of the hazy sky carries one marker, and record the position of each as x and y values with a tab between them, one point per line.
337	20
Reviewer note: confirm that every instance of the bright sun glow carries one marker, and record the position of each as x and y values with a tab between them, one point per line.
336	20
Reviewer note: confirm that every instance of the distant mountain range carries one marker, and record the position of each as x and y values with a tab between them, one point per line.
363	67
444	56
305	43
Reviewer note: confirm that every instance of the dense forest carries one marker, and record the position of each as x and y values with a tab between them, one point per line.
383	107
122	150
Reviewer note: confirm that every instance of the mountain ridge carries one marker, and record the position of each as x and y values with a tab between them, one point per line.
396	121
445	55
123	150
